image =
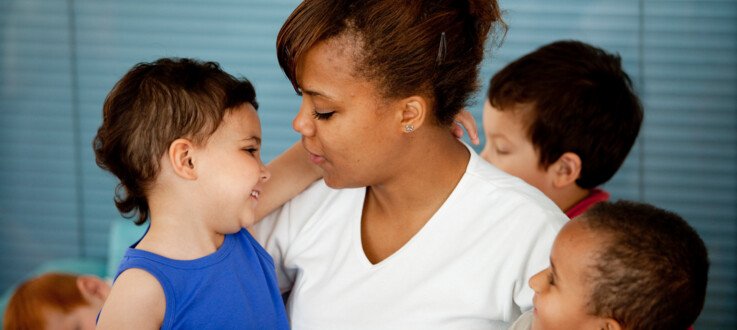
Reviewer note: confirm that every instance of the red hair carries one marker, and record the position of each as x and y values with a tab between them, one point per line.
52	291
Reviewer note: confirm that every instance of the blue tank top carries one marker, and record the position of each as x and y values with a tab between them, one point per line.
233	288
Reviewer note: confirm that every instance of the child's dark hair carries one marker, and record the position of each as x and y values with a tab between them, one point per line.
579	100
428	47
150	107
652	271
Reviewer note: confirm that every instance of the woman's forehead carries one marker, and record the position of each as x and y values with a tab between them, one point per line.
328	69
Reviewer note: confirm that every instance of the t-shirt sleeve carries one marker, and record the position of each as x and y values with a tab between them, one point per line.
535	245
278	231
274	235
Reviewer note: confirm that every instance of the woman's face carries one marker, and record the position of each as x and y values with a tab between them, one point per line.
347	128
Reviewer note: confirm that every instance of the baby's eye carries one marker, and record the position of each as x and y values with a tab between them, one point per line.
251	151
322	115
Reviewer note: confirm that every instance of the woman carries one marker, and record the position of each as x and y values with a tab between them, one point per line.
409	228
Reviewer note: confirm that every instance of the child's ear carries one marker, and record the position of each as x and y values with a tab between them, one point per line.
611	324
93	288
566	170
181	157
413	113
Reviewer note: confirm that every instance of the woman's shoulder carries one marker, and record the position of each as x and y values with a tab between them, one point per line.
488	193
487	180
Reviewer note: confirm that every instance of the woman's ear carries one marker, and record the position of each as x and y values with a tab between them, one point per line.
93	288
181	157
566	170
413	114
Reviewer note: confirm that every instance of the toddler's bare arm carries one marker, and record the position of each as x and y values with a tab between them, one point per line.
291	173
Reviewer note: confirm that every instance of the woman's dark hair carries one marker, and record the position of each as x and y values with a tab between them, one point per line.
150	107
428	47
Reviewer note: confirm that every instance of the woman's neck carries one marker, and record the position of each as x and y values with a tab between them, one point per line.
432	165
395	210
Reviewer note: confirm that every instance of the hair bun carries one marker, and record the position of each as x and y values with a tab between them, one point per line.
486	14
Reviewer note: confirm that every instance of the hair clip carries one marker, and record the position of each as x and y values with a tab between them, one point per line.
442	49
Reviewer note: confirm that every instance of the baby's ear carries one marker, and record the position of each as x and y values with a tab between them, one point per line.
181	157
566	170
93	288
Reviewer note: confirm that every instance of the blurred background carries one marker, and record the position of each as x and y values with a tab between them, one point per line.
58	60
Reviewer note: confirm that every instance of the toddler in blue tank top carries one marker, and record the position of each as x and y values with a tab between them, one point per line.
183	138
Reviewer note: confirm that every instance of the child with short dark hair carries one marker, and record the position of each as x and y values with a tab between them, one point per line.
563	118
621	265
183	137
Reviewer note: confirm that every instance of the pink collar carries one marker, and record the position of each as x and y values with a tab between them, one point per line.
596	195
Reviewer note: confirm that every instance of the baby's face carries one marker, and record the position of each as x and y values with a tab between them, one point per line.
562	290
509	148
80	318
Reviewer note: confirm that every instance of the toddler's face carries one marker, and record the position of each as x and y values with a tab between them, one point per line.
509	148
562	290
230	170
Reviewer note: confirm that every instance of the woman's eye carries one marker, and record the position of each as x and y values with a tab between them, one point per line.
551	280
502	152
322	115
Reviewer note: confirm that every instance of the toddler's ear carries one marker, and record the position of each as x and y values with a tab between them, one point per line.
566	170
181	158
93	288
611	324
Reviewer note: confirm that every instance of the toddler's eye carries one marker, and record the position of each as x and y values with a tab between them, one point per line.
251	151
322	115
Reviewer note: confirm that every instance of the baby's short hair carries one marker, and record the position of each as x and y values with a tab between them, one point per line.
651	272
574	98
150	107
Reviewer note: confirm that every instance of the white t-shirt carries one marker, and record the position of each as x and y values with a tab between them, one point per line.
524	322
467	268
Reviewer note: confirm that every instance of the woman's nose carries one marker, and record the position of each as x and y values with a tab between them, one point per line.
303	123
